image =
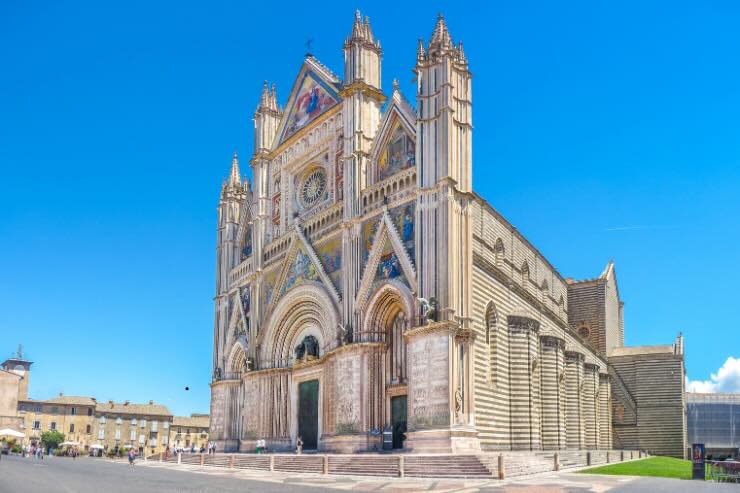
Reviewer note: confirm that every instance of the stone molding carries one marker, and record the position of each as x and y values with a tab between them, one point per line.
449	327
518	323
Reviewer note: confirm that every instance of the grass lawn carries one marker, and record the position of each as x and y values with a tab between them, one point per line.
662	467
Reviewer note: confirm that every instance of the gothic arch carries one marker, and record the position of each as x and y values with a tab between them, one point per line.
389	314
237	358
305	310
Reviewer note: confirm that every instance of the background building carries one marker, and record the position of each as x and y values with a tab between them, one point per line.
72	415
714	420
14	376
187	431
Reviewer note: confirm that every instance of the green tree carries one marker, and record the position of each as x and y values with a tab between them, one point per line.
52	438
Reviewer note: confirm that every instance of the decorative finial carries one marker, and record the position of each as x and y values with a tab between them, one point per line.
308	44
395	85
19	353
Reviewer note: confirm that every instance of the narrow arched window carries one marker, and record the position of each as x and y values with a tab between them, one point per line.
499	252
492	342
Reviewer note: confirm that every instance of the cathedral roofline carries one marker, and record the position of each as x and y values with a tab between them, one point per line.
519	235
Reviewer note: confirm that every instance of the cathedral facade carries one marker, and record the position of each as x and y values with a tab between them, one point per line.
367	297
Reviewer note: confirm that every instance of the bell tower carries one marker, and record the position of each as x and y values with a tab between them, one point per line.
234	193
443	153
361	103
20	366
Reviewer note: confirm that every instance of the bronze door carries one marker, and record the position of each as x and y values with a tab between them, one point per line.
308	413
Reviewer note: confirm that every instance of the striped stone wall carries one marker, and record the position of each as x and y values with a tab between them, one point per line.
604	403
655	377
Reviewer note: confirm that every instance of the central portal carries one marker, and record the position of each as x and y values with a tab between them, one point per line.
398	418
308	413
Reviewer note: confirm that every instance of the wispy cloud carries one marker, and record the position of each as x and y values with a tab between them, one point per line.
636	228
727	379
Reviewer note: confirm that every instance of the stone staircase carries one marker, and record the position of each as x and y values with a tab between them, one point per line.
364	465
447	466
299	463
484	465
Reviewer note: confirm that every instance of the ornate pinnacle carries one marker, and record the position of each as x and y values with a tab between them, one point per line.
420	50
234	176
395	85
265	99
441	39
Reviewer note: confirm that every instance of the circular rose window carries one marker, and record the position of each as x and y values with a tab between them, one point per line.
313	188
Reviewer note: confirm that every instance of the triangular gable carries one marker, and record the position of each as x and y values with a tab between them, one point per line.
302	266
236	320
313	93
388	260
398	116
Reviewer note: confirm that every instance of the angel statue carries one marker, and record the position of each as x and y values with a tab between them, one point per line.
428	309
346	331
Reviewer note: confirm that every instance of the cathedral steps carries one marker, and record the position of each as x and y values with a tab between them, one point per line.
484	465
364	465
446	466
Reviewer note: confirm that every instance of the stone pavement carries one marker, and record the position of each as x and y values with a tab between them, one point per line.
95	475
542	483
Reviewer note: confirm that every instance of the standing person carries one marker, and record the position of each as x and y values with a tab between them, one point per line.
214	448
131	457
299	446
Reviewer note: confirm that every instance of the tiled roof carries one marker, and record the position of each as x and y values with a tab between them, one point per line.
192	421
72	399
138	409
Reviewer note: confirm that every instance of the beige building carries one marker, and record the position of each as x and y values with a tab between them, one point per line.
189	431
362	284
145	427
71	415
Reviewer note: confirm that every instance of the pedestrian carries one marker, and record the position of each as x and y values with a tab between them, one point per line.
131	457
214	448
299	445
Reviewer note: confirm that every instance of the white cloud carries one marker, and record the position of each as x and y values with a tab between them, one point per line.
727	379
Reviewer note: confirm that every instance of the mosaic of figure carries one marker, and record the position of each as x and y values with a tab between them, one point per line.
312	99
247	250
301	271
330	254
399	154
389	265
403	218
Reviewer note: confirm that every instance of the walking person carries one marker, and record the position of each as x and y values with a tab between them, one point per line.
131	457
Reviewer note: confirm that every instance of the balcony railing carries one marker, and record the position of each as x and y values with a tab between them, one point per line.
241	271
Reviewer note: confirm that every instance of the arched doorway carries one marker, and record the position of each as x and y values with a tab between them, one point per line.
388	317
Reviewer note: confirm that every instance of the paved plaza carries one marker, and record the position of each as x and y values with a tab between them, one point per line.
94	475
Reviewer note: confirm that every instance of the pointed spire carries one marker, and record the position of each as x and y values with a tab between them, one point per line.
396	87
357	26
234	176
273	98
441	39
420	52
265	99
368	31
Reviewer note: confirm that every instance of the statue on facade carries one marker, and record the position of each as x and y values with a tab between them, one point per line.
217	373
428	309
458	402
308	349
346	331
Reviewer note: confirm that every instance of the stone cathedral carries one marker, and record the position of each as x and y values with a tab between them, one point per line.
364	290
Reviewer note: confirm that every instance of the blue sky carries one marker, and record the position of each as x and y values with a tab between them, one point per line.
602	130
